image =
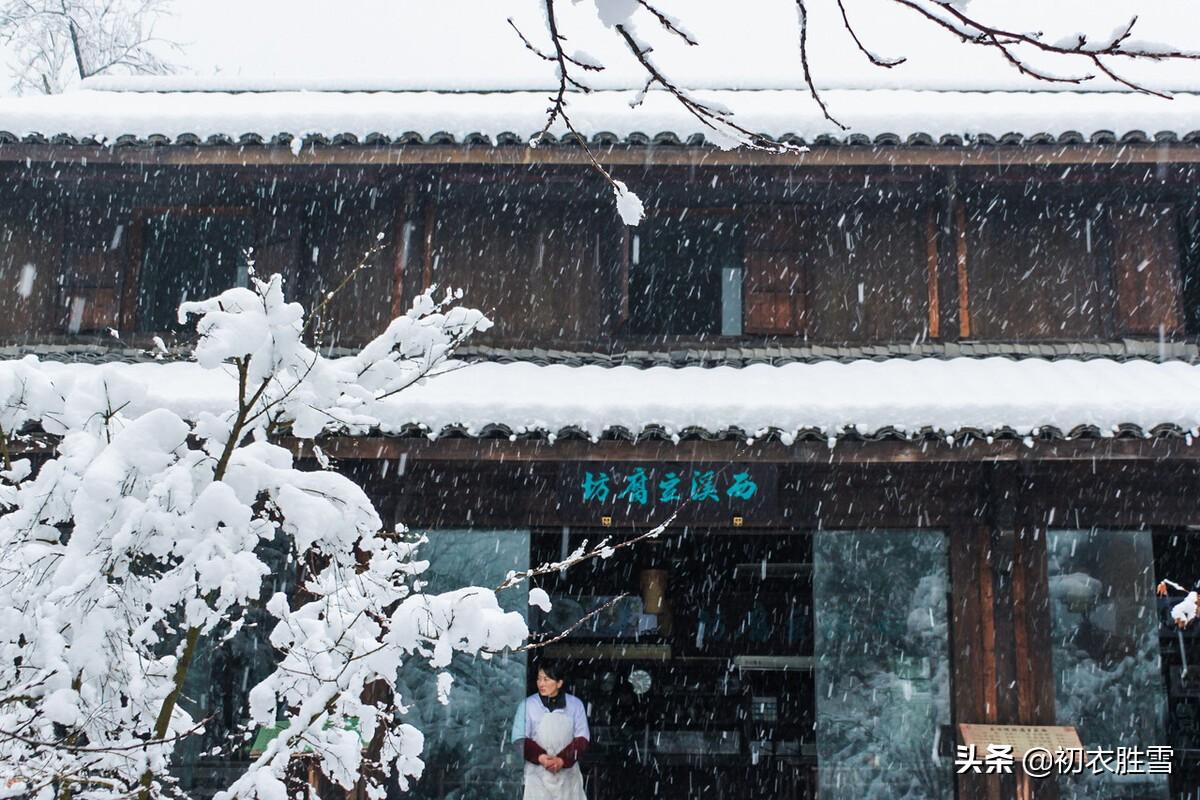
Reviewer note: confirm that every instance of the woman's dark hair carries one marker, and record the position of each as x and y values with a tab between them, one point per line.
554	670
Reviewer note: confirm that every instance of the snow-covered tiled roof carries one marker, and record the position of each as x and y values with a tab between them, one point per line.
875	116
894	398
700	355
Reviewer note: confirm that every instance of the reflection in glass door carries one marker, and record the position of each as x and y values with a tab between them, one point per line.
467	755
1108	675
882	664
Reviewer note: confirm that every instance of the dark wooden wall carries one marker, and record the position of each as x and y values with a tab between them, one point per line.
852	255
540	272
31	261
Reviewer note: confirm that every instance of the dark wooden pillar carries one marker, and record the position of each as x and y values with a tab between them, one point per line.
972	643
1000	626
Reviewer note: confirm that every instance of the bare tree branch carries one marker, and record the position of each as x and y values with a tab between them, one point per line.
802	13
877	60
716	119
563	634
57	42
602	550
943	14
972	30
668	23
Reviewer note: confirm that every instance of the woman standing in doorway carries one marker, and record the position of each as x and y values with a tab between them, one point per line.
551	730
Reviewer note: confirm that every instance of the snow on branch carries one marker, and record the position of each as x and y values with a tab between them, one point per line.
59	42
582	553
954	16
1098	58
142	540
570	68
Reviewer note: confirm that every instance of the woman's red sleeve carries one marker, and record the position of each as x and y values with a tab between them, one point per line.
571	753
532	750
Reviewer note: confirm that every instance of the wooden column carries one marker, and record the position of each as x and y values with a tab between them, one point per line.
403	226
947	245
428	232
960	260
1000	628
972	643
931	260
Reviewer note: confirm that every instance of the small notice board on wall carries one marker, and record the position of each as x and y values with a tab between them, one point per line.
614	493
1023	738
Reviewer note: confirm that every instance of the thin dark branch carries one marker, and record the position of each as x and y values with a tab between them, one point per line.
802	13
668	23
602	550
530	46
715	119
974	31
877	60
571	629
110	749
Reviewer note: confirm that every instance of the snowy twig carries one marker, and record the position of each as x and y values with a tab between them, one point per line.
71	748
602	550
874	58
563	634
718	120
972	30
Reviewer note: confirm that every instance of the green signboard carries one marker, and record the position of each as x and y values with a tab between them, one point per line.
610	493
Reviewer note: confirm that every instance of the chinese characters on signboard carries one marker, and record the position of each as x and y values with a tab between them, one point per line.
641	492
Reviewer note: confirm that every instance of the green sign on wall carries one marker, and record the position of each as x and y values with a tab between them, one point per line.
615	492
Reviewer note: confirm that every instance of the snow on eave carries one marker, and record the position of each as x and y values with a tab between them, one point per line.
895	399
877	117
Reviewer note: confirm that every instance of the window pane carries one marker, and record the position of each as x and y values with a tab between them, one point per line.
882	664
467	754
188	257
675	286
1108	678
1033	268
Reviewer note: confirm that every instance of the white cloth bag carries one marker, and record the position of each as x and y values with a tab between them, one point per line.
554	732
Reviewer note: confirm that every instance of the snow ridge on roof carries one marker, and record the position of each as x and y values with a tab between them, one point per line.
896	398
876	117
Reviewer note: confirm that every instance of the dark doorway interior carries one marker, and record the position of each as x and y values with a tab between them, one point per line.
713	695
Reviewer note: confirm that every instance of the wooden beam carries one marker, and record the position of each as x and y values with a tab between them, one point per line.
498	451
631	156
931	260
402	246
430	222
987	619
960	258
818	453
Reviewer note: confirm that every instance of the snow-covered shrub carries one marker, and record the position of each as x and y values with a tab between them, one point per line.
140	538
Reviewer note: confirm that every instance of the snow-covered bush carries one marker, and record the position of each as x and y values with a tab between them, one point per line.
140	537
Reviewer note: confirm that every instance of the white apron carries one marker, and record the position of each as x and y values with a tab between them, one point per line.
554	732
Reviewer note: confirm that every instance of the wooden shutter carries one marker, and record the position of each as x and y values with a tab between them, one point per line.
774	279
95	244
1146	268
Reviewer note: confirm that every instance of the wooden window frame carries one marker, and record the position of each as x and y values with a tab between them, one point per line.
130	284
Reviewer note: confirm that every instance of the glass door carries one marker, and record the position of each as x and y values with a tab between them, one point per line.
882	664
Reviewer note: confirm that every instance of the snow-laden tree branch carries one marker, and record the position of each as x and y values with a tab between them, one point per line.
1086	59
141	539
59	42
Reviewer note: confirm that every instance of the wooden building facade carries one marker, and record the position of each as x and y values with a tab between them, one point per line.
823	633
992	254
